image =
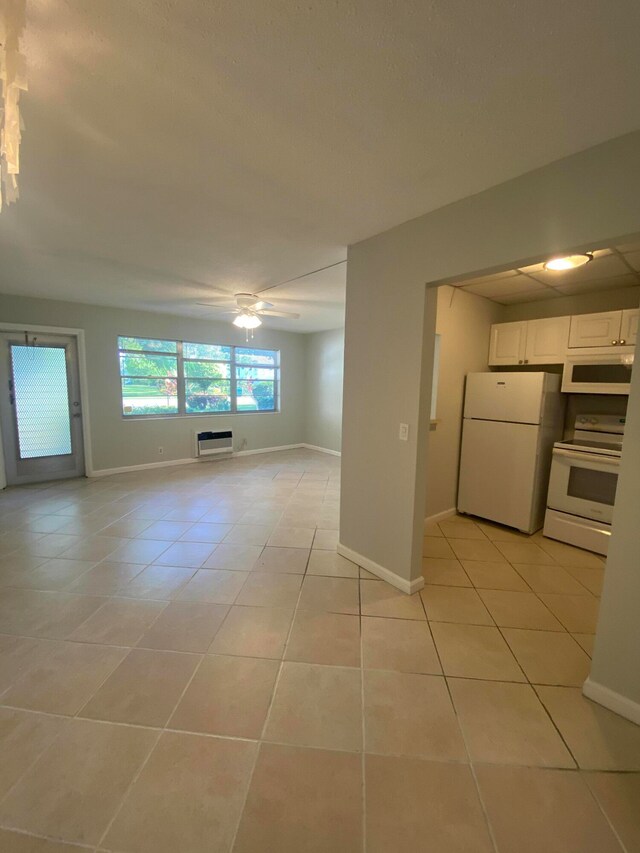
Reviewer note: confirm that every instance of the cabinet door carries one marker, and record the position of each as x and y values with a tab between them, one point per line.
629	327
595	330
547	340
508	342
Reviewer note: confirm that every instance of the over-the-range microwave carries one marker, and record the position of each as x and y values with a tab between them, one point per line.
596	372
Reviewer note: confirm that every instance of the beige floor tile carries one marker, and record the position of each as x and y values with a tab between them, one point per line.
157	582
499	533
476	549
444	571
619	796
379	598
532	809
475	651
188	797
248	534
409	714
592	579
267	589
74	788
567	555
18	842
106	578
204	531
525	552
587	641
51	544
519	610
327	540
332	639
185	626
494	576
23	737
577	613
119	622
94	548
303	800
188	554
598	738
415	805
63	613
332	565
292	537
228	696
335	595
170	531
402	645
461	530
126	528
213	586
139	551
64	681
455	604
54	574
235	558
550	579
259	632
505	723
549	657
144	689
283	560
18	655
317	706
437	546
432	529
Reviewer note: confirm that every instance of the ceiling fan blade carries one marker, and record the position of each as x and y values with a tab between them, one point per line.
219	309
220	303
261	306
287	314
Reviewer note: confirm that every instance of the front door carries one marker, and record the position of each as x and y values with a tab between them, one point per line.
40	407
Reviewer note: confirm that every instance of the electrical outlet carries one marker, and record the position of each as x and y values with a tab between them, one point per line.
160	451
403	433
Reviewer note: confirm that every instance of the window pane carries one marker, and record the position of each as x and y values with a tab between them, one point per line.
41	401
212	351
205	395
148	365
255	356
267	373
255	396
149	396
213	369
147	344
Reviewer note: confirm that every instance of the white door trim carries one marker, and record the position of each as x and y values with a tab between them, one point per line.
78	334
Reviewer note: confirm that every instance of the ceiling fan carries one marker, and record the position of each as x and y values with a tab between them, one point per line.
248	309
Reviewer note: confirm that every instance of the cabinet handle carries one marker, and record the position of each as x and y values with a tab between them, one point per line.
526	361
614	343
520	362
622	342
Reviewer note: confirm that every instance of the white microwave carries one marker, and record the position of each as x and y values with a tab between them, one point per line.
597	372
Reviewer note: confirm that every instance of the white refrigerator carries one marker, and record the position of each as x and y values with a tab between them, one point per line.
511	421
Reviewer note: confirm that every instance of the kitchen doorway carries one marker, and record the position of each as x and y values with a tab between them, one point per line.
40	407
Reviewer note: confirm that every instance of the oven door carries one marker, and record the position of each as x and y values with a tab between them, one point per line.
598	373
583	484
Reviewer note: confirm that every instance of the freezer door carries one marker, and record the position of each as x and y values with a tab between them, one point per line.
498	467
513	397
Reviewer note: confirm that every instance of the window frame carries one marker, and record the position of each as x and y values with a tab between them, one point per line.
182	378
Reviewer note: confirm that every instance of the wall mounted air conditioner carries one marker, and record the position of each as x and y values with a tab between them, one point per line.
214	443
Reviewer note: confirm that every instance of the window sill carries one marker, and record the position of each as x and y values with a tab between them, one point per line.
133	418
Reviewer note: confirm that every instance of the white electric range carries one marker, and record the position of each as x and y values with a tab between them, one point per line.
583	482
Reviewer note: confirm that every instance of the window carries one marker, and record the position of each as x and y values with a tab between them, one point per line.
183	378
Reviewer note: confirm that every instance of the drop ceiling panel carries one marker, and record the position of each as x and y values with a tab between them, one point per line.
633	259
494	288
629	280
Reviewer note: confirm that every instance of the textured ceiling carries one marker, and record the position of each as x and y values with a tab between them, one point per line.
177	150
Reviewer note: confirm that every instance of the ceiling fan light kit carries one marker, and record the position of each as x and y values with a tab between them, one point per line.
248	310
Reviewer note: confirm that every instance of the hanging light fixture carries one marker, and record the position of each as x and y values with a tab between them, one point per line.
13	80
246	320
568	262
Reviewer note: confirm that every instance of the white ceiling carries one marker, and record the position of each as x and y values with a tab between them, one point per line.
610	269
174	151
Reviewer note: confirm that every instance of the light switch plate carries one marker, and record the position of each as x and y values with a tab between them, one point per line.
403	433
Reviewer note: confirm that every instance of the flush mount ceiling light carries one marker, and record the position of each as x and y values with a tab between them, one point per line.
13	80
568	262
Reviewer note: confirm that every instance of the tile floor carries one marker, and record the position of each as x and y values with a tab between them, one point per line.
187	665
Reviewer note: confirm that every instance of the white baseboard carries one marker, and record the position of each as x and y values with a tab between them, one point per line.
380	571
440	516
321	449
166	463
621	705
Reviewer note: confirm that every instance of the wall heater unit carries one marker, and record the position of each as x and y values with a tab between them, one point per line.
214	443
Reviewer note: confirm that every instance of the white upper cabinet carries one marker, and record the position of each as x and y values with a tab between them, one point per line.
547	340
629	327
607	329
508	343
529	342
